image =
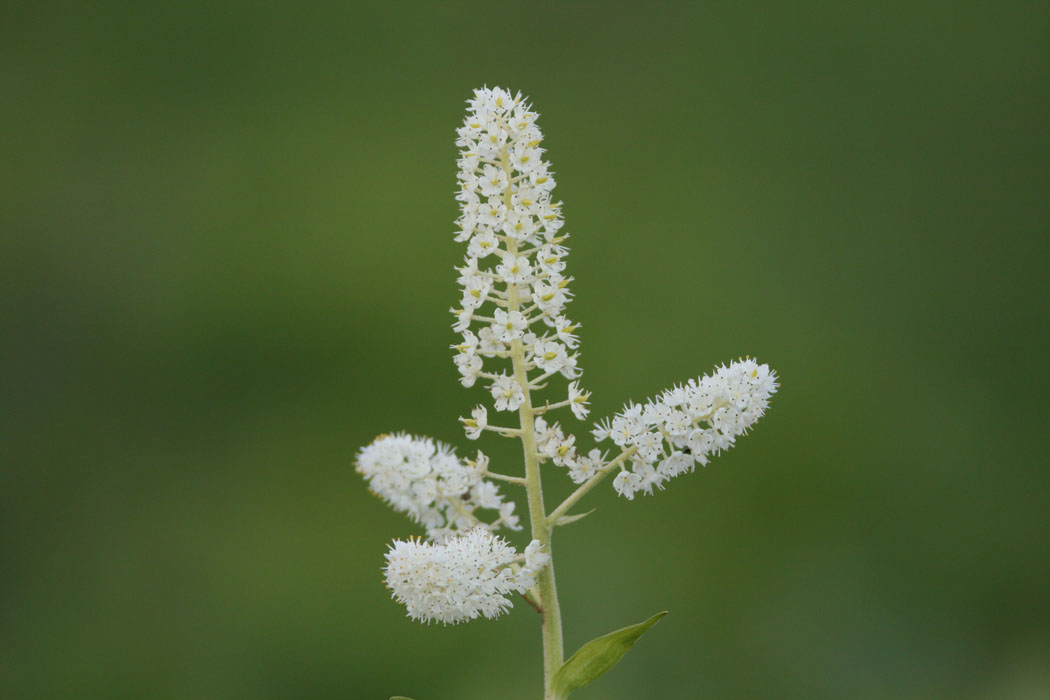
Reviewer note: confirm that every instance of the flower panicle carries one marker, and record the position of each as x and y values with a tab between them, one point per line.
513	282
424	479
464	577
687	425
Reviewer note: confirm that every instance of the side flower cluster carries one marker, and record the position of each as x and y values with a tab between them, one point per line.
424	479
687	424
462	578
514	288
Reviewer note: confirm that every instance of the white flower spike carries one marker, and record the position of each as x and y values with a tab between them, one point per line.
460	579
515	259
688	424
518	343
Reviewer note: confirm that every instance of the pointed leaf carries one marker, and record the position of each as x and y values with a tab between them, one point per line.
399	697
566	519
597	656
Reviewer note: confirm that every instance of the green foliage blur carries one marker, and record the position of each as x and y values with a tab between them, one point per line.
227	264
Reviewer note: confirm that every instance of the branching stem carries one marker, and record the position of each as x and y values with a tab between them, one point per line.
586	486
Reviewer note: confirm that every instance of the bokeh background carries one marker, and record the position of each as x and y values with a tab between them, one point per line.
227	264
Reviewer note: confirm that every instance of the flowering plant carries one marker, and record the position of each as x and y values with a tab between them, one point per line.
516	338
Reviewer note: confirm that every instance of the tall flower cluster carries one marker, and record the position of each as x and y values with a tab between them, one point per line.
424	479
515	337
458	580
514	288
688	424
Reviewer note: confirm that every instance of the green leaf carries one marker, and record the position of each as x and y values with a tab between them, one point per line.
399	697
566	519
597	656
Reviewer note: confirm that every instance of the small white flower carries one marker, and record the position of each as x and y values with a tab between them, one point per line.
542	180
626	483
677	463
563	453
492	213
602	430
469	345
519	225
578	400
469	367
527	199
535	557
584	468
483	244
486	495
550	356
649	445
463	318
479	419
514	269
570	368
564	330
493	181
544	433
507	517
475	292
489	340
525	159
509	325
493	139
507	394
549	297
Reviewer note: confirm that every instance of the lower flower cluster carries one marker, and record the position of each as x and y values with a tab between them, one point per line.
461	578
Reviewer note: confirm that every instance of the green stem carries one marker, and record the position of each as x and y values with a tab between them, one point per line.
553	648
586	486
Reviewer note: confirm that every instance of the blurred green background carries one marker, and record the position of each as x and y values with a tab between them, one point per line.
227	264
